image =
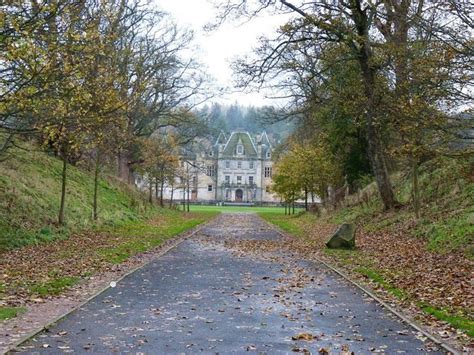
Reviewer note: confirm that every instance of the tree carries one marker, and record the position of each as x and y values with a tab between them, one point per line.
332	104
359	27
234	117
306	168
285	184
157	84
66	114
28	64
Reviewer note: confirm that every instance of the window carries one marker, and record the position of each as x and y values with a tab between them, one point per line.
211	170
251	180
227	179
195	180
209	187
239	165
268	171
211	153
240	149
251	165
239	179
227	164
268	154
267	189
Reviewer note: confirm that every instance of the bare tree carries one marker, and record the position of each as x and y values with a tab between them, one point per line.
375	34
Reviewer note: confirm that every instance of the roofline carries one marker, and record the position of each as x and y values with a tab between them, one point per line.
220	133
228	140
251	141
264	133
248	134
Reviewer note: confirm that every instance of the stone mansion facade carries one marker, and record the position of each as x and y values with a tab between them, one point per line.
235	168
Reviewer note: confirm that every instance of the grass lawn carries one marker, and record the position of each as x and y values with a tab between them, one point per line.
250	209
10	312
288	223
30	189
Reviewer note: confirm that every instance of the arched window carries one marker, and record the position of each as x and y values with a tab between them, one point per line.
240	149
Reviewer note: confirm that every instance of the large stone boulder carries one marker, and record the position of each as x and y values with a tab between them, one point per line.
344	238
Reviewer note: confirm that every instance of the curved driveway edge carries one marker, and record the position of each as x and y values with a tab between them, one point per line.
41	316
405	318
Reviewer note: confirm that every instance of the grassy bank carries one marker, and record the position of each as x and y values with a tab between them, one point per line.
447	212
30	187
425	262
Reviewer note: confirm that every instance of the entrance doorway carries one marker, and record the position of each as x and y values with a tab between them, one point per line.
239	194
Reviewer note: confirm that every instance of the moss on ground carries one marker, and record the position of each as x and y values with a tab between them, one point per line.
455	320
53	287
10	312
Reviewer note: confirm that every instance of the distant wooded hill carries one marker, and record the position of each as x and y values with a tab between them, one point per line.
253	119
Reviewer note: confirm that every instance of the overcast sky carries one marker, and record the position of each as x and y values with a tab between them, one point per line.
217	49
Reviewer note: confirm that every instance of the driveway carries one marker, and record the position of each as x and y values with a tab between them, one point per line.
212	295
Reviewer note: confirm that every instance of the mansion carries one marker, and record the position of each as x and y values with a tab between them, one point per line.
235	168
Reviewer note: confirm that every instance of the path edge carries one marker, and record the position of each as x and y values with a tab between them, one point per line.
182	236
372	295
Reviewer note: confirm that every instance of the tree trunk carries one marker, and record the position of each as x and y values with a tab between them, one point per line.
379	169
171	197
416	189
184	198
293	206
285	208
162	187
156	188
131	177
123	168
187	205
150	191
118	162
96	185
306	199
375	147
63	193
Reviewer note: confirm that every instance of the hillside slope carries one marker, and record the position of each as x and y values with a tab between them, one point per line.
30	187
447	207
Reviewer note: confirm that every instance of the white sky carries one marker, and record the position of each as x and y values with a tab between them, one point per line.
217	49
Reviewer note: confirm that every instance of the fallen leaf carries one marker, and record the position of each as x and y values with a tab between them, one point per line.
304	336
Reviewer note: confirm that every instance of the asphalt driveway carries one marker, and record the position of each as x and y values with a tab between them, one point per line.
205	296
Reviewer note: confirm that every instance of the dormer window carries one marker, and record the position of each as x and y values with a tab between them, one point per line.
240	149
